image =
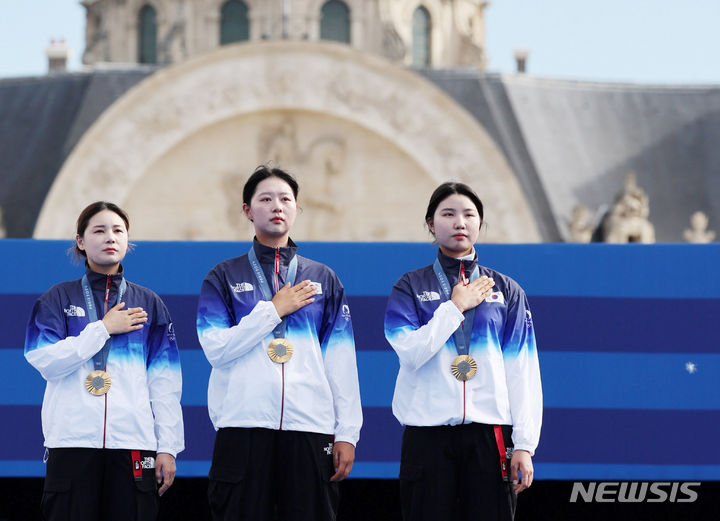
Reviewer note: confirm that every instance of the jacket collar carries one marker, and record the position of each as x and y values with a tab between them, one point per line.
451	265
100	279
266	254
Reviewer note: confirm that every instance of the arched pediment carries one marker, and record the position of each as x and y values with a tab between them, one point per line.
368	140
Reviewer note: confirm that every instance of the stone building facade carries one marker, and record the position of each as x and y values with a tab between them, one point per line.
370	112
435	33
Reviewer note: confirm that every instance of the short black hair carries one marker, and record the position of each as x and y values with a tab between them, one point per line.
260	174
447	189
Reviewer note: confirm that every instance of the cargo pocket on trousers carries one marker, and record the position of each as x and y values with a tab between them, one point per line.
55	503
225	488
147	484
147	500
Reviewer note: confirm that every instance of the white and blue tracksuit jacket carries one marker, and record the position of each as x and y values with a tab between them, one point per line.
419	324
141	411
317	389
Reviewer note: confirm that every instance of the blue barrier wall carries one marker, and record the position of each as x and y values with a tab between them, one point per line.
628	340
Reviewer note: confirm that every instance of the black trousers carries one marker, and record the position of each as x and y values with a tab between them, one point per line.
98	485
264	474
453	472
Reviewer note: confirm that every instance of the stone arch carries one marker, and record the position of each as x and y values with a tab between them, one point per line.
368	139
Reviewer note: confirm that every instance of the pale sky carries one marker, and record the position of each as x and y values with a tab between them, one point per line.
646	41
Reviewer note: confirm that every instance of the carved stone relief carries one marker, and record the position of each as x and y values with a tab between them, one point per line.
367	140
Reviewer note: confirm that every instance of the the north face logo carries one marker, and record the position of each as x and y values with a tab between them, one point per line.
428	296
74	311
241	287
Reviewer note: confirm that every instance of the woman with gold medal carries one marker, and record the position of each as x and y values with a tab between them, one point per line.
283	393
111	413
468	391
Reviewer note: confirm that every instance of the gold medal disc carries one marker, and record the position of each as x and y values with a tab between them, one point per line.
280	350
463	367
98	383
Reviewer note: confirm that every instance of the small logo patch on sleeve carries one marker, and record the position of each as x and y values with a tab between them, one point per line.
171	332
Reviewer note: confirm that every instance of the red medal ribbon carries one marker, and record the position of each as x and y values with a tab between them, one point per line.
462	324
277	269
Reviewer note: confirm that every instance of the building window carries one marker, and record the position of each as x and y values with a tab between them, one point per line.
421	37
335	21
147	32
234	25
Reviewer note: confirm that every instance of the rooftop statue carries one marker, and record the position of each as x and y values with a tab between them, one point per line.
581	229
628	218
698	232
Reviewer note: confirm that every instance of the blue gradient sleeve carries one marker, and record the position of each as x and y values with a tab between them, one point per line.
338	345
336	327
213	305
165	382
417	339
522	372
49	346
401	314
47	323
518	334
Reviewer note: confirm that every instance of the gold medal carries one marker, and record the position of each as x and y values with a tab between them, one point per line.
98	383
463	367
280	350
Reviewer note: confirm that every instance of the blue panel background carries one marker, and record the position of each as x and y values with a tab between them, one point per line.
628	339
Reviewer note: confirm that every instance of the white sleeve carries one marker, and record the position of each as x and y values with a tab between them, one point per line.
223	345
63	357
340	362
165	383
522	374
416	343
222	339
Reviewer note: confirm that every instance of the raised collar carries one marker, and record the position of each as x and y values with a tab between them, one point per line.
451	265
266	254
100	279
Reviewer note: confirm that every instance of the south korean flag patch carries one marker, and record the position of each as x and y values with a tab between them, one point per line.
496	297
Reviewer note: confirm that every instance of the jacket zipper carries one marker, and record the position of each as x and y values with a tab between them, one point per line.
462	324
107	295
282	366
